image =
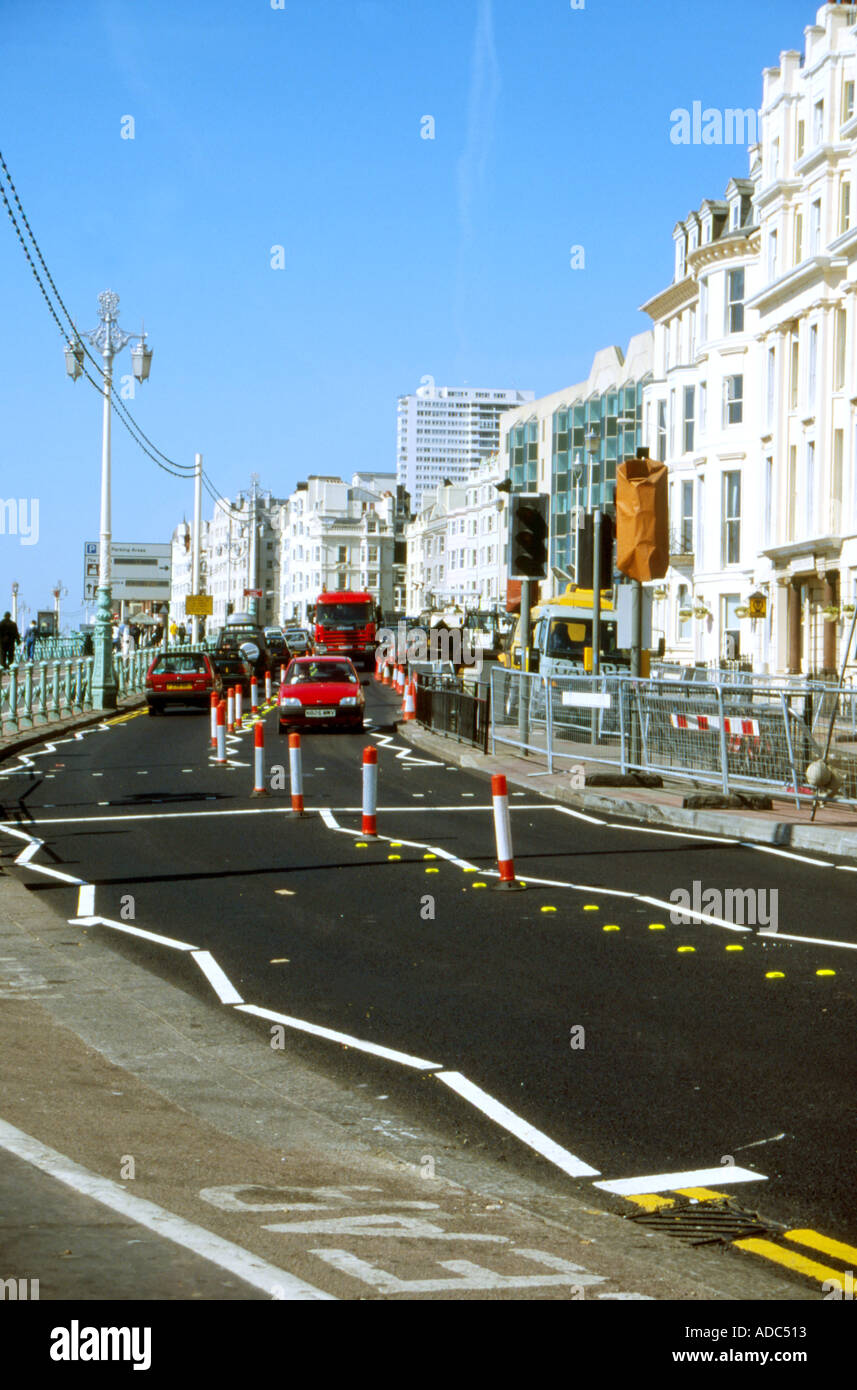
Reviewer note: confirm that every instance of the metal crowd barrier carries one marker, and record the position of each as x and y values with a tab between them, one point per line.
741	735
445	707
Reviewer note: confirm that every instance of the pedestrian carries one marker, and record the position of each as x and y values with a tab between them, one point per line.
128	645
182	632
88	645
9	639
30	642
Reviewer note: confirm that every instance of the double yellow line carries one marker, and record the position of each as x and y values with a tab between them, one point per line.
780	1254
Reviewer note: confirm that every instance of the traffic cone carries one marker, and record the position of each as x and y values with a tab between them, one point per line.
409	704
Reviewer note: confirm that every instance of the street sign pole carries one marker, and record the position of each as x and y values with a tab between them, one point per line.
523	693
197	524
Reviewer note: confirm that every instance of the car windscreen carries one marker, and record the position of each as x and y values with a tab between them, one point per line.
317	673
343	614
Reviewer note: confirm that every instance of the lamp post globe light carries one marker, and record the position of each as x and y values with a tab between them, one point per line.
109	339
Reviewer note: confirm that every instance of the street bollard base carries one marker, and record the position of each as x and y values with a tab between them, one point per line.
299	815
513	887
260	791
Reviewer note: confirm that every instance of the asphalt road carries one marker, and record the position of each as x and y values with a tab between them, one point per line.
693	1051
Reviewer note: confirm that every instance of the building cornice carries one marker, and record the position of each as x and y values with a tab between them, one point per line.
746	242
810	271
675	296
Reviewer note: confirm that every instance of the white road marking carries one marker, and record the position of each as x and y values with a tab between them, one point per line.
808	940
224	1253
86	900
522	1129
27	853
217	978
418	1063
146	935
467	1275
787	854
671	1182
386	1225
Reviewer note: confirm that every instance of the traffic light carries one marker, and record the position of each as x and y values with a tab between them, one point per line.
585	551
642	517
528	536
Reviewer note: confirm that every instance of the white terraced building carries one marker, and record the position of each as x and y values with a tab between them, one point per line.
339	535
456	545
754	402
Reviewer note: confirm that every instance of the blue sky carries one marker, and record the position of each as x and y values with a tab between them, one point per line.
300	127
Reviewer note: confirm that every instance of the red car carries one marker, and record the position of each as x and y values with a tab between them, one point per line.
321	690
181	678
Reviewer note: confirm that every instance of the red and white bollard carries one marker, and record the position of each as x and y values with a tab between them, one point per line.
230	710
267	685
239	706
503	833
385	673
282	674
259	788
214	704
254	696
409	704
220	755
370	791
296	774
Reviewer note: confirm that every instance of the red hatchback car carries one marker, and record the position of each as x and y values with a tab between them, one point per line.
321	690
181	678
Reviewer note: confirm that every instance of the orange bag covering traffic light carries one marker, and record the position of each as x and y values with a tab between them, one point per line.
642	519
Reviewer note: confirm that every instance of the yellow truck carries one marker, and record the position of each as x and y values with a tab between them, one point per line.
561	636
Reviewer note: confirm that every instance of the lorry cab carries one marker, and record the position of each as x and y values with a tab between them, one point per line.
561	641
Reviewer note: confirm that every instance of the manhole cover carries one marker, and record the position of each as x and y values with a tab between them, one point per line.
703	1223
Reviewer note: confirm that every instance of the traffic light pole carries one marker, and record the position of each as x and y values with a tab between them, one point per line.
523	692
596	610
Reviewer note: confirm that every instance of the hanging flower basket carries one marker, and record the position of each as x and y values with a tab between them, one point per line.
685	613
831	612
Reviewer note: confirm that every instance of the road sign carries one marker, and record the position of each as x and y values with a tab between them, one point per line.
138	571
252	593
199	605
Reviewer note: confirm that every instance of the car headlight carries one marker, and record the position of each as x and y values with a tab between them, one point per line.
320	647
290	703
349	700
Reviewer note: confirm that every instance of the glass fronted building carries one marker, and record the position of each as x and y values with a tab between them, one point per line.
616	416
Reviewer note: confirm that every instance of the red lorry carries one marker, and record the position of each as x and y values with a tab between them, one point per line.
345	625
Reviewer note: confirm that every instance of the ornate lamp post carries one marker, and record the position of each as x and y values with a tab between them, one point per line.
109	338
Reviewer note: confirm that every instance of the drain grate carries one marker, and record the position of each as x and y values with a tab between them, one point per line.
705	1223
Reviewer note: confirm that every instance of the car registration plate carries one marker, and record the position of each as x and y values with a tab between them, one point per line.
184	685
320	713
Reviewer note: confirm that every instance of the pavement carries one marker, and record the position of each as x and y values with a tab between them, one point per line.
301	1051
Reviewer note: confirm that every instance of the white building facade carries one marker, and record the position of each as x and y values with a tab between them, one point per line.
339	535
457	549
754	401
240	549
701	418
443	432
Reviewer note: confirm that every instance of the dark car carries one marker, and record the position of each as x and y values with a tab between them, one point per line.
233	668
181	678
246	639
278	645
321	690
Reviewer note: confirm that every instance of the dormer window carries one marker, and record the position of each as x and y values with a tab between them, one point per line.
736	216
